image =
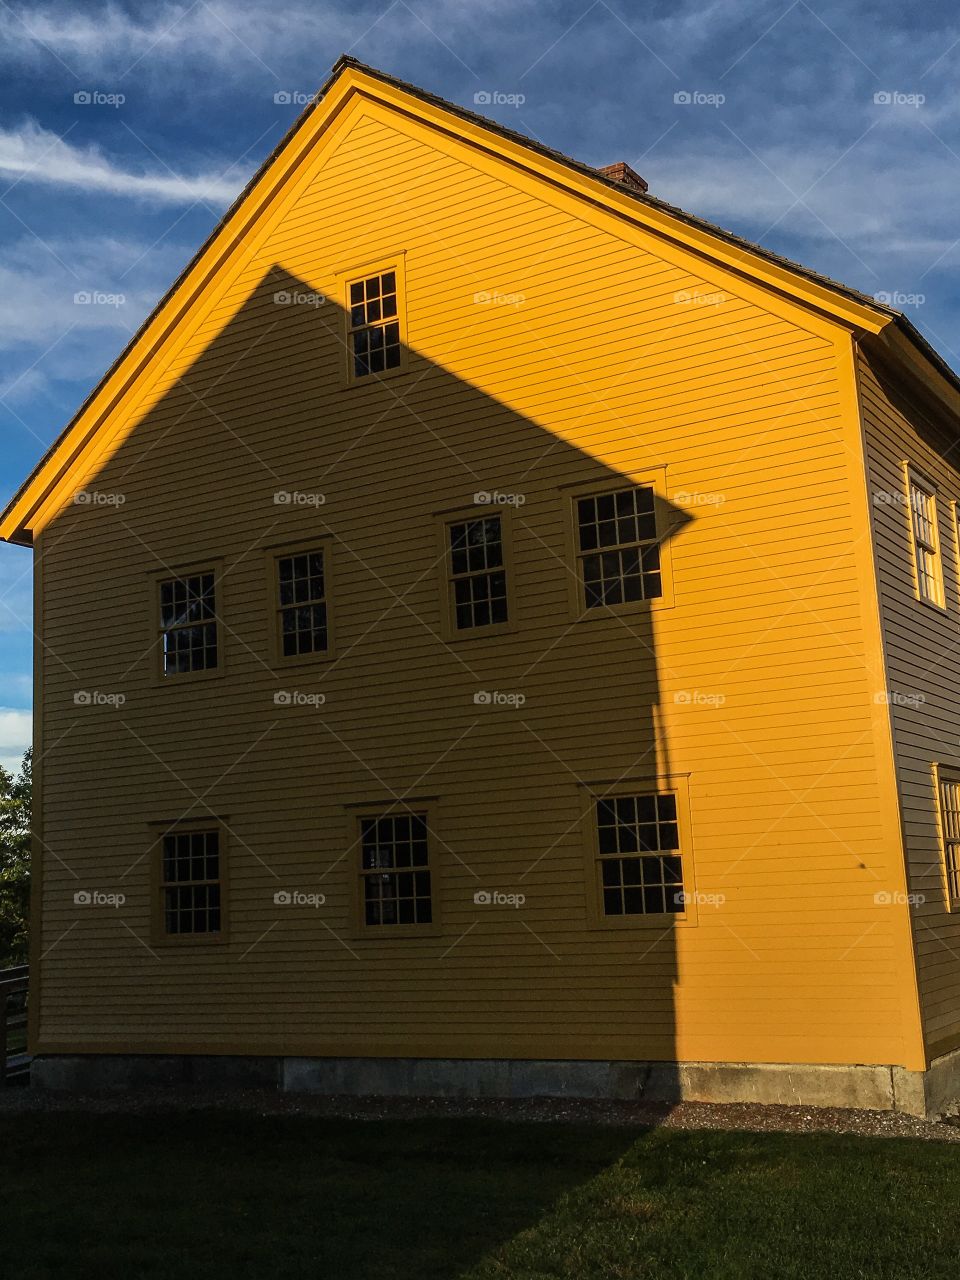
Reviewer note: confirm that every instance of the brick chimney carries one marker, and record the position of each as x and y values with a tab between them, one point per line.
621	172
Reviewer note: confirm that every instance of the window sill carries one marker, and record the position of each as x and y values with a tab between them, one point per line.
382	933
176	942
932	604
184	679
374	379
481	633
662	923
283	663
632	609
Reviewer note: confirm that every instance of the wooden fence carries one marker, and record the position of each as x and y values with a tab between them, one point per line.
14	1060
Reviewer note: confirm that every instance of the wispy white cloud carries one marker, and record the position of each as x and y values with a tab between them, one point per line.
67	306
815	194
87	284
16	734
30	153
110	39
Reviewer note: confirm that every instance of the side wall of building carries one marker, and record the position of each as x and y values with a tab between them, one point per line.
905	430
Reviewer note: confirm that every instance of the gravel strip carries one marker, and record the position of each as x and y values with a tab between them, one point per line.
747	1117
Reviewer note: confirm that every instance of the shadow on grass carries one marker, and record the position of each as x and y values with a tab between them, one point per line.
212	1194
206	1194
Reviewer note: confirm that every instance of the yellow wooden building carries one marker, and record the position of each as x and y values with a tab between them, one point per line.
499	633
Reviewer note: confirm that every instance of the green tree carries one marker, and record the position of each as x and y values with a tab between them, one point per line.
15	797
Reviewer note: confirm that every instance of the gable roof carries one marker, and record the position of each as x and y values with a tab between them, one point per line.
847	306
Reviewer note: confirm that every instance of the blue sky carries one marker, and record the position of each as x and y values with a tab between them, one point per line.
830	132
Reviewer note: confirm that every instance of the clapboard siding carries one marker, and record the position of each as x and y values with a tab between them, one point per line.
602	372
923	661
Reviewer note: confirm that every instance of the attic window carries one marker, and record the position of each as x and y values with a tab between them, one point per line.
374	333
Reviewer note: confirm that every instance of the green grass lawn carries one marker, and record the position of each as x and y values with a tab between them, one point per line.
211	1194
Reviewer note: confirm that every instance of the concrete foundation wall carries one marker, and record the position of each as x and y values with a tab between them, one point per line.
874	1088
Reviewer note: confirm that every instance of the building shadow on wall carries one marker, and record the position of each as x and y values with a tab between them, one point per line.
266	441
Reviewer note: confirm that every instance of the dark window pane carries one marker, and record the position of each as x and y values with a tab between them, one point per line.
188	625
400	896
188	860
641	827
375	335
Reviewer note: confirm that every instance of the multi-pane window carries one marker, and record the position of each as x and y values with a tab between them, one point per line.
617	547
926	543
950	824
638	843
395	870
188	623
190	884
374	334
302	593
478	576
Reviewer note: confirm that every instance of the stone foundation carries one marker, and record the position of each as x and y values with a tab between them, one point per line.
874	1088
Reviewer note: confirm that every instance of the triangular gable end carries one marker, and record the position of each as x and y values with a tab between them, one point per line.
81	446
